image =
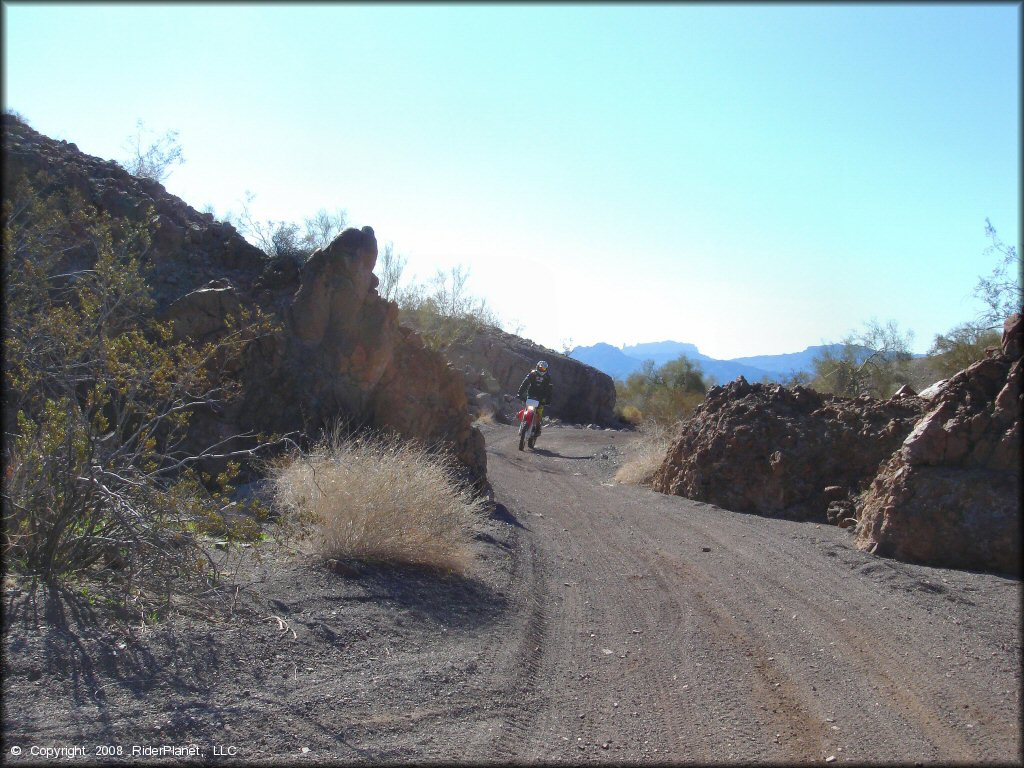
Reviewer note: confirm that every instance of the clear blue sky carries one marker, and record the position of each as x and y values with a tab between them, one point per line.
752	179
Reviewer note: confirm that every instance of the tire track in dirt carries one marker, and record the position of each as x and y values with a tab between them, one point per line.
623	562
611	668
873	656
877	656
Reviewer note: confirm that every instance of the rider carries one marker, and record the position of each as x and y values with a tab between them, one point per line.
537	385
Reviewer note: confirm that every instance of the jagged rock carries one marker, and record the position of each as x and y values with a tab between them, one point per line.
203	314
775	451
951	495
932	391
340	353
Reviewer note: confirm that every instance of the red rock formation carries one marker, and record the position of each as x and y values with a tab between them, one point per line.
951	495
789	453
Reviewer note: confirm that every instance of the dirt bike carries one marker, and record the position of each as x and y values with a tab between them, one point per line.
529	423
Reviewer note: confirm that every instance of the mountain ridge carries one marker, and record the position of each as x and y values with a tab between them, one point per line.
620	362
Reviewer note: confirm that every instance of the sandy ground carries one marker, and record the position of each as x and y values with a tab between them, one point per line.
600	623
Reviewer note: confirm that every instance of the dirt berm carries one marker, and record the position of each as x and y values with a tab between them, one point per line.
601	623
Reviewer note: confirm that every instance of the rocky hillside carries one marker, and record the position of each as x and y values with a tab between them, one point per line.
934	479
495	362
340	353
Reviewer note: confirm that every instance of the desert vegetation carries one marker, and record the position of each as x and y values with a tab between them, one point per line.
645	454
664	394
151	158
99	475
441	308
378	499
876	360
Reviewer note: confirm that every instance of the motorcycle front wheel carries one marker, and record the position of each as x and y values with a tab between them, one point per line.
522	435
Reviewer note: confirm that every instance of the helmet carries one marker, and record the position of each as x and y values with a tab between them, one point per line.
542	366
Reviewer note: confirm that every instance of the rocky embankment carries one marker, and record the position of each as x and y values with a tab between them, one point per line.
796	453
951	495
495	362
934	480
339	354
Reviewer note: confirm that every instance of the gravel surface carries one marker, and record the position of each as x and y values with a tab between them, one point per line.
600	623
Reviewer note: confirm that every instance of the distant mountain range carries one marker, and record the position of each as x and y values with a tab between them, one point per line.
620	362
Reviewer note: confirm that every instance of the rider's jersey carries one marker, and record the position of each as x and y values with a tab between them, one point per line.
537	385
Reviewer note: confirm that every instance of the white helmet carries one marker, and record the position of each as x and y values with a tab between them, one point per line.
542	366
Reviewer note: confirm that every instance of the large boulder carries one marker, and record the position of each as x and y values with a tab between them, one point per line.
338	355
951	495
496	362
781	452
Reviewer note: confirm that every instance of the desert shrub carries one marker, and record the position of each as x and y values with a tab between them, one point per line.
875	362
645	454
379	499
98	398
287	239
153	160
665	394
443	311
629	414
1001	290
953	351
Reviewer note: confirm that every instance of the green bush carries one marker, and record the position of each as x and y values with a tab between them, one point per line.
953	351
100	397
874	362
665	394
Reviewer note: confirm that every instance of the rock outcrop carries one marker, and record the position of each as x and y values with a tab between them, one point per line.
950	496
496	362
340	353
787	453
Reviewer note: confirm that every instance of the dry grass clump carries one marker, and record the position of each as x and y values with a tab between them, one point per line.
379	499
485	417
645	454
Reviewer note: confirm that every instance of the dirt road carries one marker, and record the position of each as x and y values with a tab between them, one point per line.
602	623
661	628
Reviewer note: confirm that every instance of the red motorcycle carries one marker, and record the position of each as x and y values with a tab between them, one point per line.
529	423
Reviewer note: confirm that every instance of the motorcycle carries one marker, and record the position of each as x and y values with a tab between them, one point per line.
529	422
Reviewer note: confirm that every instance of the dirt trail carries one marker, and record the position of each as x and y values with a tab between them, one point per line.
601	623
661	628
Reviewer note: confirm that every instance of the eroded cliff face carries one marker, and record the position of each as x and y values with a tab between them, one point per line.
339	354
951	494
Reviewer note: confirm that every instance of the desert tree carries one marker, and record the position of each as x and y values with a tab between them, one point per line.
874	361
959	347
390	269
322	227
286	239
443	310
151	158
1000	291
665	394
